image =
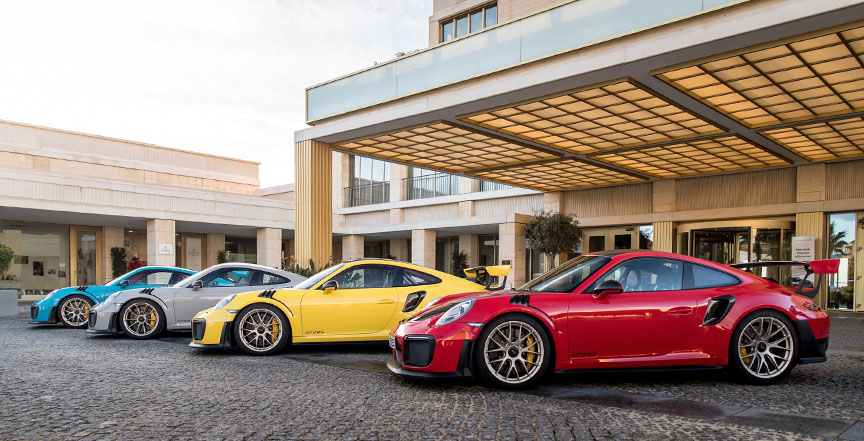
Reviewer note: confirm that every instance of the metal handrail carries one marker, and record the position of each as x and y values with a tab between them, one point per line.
430	186
367	194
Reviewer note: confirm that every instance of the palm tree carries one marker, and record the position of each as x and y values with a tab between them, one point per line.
835	240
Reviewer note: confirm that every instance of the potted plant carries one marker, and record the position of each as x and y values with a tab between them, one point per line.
9	289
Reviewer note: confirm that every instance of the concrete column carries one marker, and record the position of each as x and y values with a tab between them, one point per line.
398	173
215	243
470	245
467	185
313	202
397	216
111	237
553	201
811	183
161	232
352	247
399	249
814	224
423	248
665	197
466	209
269	247
664	237
511	239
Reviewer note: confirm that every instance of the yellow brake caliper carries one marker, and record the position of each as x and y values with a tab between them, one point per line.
743	353
86	311
153	318
530	358
275	334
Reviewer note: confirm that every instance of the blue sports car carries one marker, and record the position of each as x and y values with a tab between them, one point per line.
70	306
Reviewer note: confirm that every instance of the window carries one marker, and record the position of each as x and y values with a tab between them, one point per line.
424	183
596	243
228	277
370	182
490	186
472	21
569	276
641	275
365	277
703	277
623	241
152	277
411	277
273	279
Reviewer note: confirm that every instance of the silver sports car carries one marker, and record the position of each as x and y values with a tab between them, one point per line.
146	313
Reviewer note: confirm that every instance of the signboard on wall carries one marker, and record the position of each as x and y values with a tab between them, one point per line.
803	248
166	248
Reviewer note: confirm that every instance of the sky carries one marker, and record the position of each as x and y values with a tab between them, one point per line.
225	77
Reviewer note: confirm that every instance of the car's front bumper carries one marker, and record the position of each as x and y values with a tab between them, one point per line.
43	313
433	352
212	329
102	321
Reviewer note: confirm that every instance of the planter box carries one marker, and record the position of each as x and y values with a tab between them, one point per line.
9	303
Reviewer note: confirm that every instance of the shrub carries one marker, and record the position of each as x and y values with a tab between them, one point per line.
553	233
459	261
6	254
118	261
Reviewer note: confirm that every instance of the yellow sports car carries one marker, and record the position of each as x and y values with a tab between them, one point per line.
354	301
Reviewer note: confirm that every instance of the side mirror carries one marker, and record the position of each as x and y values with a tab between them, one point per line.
608	287
198	284
124	283
330	285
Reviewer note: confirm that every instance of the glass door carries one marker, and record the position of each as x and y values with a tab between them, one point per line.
86	258
722	245
844	291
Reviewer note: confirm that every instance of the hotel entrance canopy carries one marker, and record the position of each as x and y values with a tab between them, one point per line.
598	92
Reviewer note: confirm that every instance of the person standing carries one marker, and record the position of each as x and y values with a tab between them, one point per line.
134	263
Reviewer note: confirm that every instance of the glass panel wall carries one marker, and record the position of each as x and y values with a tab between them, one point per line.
646	237
423	183
841	245
490	186
86	258
241	249
41	261
370	182
488	249
444	247
379	249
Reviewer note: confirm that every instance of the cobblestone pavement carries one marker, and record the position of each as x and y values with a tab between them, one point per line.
58	383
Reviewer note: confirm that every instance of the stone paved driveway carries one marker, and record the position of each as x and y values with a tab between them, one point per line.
57	383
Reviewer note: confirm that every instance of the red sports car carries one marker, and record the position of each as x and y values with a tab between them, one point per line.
635	309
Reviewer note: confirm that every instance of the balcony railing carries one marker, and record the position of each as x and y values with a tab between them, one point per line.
563	28
367	194
489	186
430	186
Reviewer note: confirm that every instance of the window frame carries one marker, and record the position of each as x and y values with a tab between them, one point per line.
590	289
390	277
400	275
689	278
467	15
252	276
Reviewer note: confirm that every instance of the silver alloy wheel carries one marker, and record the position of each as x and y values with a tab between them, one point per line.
765	347
260	329
75	311
140	319
514	352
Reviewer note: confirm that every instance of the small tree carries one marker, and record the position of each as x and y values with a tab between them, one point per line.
118	261
6	254
552	233
221	256
458	262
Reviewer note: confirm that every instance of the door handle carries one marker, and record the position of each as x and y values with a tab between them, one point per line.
385	302
681	310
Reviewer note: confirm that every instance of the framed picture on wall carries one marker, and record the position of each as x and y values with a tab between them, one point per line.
38	268
61	274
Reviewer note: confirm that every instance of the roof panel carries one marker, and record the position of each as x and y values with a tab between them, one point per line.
563	174
823	141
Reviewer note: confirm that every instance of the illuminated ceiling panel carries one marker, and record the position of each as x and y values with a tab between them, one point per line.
611	116
444	146
557	175
823	141
716	155
790	81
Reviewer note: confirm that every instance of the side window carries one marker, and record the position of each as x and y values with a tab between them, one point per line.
643	275
272	279
228	277
360	277
176	277
412	277
159	277
703	277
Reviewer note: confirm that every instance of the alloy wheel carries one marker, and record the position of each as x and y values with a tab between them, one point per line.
140	319
260	329
765	347
75	312
514	352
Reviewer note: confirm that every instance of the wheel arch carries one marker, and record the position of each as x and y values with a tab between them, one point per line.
548	325
159	302
292	323
73	293
773	308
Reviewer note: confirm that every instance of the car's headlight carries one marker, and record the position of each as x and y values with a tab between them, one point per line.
455	312
223	302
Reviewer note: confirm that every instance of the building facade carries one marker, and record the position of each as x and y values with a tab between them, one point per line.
717	129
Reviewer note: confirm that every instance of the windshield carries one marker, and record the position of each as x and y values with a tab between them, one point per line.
568	276
310	282
117	280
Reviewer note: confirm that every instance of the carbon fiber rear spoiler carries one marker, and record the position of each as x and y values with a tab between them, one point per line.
486	275
820	267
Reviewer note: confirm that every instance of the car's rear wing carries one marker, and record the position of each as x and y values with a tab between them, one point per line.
804	283
486	275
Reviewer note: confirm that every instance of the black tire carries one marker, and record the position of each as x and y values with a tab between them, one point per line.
763	367
139	325
259	322
77	310
514	360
